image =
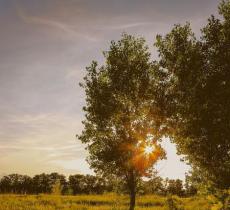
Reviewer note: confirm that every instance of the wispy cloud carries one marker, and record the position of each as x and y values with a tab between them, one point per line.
48	133
68	148
47	137
73	165
29	118
129	25
70	30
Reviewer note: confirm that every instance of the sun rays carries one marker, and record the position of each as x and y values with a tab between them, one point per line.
149	149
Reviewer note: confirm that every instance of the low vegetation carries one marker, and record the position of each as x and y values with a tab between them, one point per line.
102	202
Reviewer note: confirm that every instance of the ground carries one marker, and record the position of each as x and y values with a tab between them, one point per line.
100	202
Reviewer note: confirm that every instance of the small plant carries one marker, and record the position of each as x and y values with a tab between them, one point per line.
171	204
57	188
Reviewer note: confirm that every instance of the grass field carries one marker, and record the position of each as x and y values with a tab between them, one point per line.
99	202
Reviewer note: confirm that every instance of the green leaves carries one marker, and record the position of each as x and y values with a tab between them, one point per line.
196	94
119	106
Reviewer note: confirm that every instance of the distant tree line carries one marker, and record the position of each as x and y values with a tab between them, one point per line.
55	183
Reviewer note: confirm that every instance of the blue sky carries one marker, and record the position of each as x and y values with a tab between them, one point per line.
45	46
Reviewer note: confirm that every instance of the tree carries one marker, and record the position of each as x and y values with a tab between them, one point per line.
42	184
16	183
121	125
76	183
5	184
25	184
175	187
191	184
58	181
196	94
154	185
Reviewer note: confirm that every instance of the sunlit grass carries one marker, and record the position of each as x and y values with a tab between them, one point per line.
97	202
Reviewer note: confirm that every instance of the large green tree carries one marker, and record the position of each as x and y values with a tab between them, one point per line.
195	74
121	128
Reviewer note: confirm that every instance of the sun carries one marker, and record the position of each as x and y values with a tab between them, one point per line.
149	149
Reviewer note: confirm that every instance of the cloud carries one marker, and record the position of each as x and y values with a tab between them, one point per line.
74	165
29	118
68	148
128	25
69	30
41	132
46	137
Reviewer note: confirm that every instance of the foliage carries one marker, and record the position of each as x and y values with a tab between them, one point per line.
175	187
87	184
196	95
190	186
53	183
43	183
173	204
120	117
57	188
154	185
15	183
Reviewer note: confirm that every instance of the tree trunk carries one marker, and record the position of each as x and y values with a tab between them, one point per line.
132	199
132	191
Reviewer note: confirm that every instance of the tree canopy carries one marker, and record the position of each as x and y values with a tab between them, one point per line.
196	94
121	125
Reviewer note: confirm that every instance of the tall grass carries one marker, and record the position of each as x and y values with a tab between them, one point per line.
100	202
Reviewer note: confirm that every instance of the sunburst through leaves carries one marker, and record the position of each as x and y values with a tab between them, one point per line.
149	149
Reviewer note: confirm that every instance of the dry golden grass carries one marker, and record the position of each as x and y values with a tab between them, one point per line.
98	202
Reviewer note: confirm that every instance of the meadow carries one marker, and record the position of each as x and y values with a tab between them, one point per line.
101	202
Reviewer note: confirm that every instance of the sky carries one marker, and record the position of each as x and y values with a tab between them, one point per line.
45	46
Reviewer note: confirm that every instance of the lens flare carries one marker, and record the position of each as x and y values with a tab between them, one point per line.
149	149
